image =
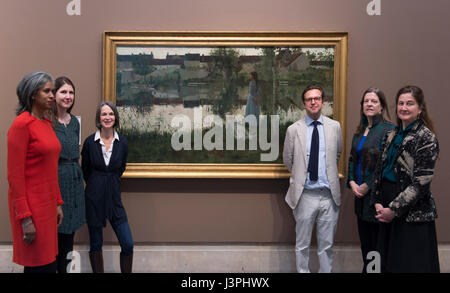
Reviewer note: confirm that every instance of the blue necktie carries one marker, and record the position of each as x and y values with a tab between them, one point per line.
313	164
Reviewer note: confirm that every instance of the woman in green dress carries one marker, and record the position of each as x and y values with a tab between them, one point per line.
70	176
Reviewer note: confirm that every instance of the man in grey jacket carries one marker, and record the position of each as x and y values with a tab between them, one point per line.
312	148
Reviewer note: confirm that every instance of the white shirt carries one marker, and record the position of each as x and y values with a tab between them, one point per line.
106	153
322	172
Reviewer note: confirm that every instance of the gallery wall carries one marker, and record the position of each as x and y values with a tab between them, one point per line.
407	44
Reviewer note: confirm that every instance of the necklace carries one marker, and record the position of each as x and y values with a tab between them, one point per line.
65	120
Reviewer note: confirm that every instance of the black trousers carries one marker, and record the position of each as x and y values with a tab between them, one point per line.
368	237
45	269
65	245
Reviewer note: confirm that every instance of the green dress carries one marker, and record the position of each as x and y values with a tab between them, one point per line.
70	177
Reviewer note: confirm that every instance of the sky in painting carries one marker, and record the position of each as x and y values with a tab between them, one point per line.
161	52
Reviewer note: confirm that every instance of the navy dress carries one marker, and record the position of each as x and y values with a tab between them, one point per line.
103	198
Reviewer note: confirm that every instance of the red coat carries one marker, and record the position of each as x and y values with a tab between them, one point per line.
33	152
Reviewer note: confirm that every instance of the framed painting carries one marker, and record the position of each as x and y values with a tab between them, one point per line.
217	104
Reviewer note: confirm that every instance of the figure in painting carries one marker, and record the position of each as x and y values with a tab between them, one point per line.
254	97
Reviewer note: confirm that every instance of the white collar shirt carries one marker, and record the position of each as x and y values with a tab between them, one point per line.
106	153
322	182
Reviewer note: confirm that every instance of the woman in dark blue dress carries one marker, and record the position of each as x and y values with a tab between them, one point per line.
104	158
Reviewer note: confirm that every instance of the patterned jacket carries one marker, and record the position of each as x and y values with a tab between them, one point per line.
414	168
369	155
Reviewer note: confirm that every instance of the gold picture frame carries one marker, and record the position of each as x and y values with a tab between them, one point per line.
120	73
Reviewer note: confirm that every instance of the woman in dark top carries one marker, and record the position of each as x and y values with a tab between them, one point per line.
401	194
366	146
70	177
104	158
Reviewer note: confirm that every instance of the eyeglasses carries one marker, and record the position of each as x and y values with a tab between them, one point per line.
315	99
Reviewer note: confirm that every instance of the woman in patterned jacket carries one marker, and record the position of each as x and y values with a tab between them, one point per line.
401	195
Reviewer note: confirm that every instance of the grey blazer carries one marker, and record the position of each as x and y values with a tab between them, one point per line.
295	158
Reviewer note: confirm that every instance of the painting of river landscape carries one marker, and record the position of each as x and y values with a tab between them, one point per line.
176	103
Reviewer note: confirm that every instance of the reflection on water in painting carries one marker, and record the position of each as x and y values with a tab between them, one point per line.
158	117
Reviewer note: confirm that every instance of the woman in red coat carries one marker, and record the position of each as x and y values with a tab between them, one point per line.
33	195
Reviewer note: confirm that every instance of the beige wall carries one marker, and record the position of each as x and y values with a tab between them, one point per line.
408	43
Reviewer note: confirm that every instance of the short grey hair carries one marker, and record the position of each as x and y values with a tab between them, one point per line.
28	87
99	110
